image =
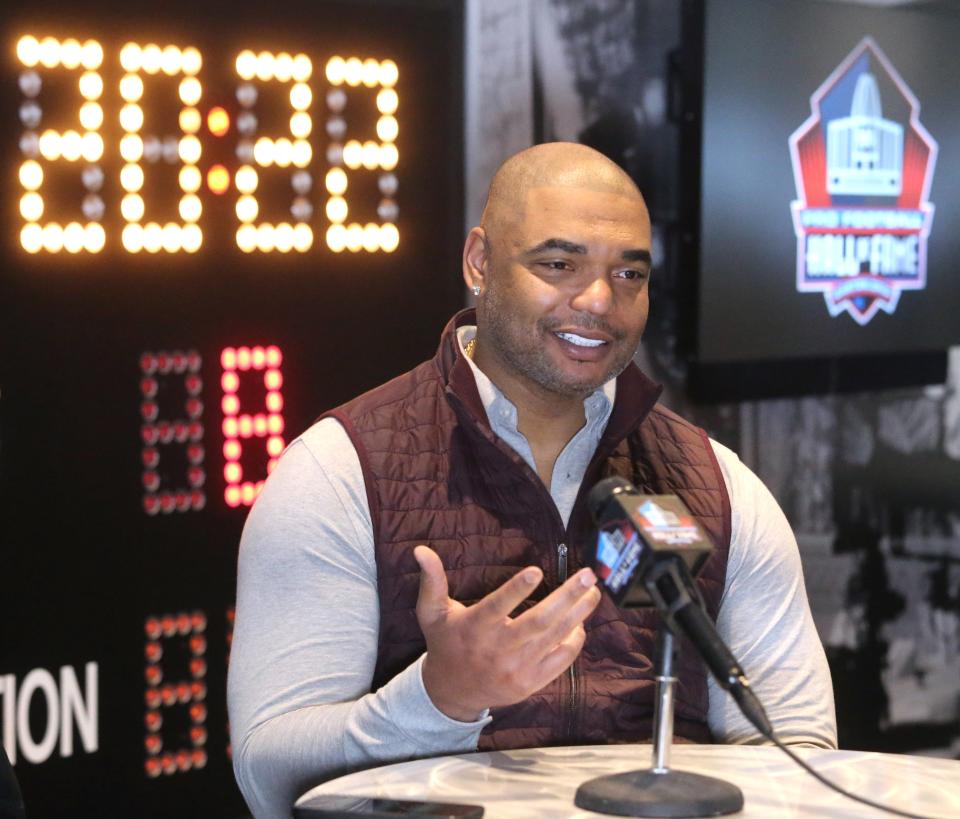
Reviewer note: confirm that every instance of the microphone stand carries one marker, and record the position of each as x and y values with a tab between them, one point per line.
660	790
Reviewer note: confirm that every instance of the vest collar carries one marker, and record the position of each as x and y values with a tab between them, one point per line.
636	393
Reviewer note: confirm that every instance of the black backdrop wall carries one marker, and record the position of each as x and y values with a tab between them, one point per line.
142	394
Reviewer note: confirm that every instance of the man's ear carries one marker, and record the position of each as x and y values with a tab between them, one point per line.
475	257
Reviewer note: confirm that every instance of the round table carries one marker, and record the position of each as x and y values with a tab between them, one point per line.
540	782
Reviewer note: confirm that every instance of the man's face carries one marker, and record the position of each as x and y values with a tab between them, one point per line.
566	295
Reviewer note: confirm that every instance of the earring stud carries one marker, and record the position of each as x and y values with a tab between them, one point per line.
476	290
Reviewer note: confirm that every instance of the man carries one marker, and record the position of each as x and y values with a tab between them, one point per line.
412	578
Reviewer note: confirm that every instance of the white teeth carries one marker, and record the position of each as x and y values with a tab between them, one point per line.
580	341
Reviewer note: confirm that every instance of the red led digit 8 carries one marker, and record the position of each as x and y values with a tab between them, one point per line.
160	372
151	236
372	155
264	152
166	752
239	426
50	146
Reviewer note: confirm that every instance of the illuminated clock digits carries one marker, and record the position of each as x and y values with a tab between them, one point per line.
371	155
266	152
162	374
135	148
238	426
178	642
50	146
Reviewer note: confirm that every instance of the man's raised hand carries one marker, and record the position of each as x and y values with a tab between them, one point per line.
479	657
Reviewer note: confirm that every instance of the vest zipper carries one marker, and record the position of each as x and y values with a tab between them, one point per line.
570	704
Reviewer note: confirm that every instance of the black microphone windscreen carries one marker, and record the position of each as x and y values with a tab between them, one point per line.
604	490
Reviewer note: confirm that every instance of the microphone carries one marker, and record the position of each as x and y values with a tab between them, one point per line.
649	549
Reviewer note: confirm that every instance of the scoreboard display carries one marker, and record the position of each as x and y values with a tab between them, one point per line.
218	222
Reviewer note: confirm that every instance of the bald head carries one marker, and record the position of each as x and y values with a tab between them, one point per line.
554	165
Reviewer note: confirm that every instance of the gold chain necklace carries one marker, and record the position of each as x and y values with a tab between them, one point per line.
470	347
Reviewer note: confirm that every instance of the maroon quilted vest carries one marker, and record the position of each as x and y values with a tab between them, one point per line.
436	474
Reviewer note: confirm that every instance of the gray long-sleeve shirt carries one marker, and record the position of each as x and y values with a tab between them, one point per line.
305	641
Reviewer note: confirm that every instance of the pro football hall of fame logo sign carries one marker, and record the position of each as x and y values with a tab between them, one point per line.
863	165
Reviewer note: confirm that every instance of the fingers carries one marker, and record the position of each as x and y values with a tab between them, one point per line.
434	597
579	594
504	599
563	654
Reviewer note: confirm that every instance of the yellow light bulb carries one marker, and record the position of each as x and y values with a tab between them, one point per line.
190	179
132	238
389	156
371	237
388	73
91	55
389	237
131	207
190	91
247	238
71	146
371	155
131	117
301	96
263	152
49	52
131	58
302	153
302	68
246	179
387	101
190	208
31	206
354	237
131	177
131	87
370	75
28	52
247	208
336	70
94	237
91	115
91	85
31	238
283	237
352	154
131	148
171	60
190	120
336	181
337	238
302	237
246	65
337	209
52	237
170	238
152	237
151	57
191	237
265	241
91	146
283	67
283	152
31	175
192	61
73	236
301	125
353	72
49	145
189	150
264	66
70	54
387	129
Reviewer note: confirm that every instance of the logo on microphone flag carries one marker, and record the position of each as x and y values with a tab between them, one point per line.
863	165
